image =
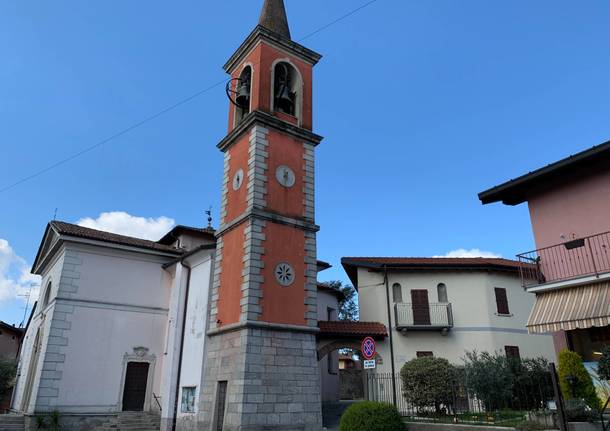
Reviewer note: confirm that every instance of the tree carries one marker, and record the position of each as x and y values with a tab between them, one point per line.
348	305
428	382
8	371
490	377
575	380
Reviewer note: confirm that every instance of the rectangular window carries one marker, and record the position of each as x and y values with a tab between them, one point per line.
502	301
188	399
512	352
425	354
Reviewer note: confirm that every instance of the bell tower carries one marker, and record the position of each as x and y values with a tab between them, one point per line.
261	370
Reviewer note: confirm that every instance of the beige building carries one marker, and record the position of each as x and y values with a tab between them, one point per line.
445	307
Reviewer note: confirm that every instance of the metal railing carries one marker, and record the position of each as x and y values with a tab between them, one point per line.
431	316
157	400
589	256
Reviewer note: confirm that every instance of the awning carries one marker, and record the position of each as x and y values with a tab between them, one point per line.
571	308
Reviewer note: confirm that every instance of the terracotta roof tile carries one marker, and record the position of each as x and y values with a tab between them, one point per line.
70	229
353	329
436	261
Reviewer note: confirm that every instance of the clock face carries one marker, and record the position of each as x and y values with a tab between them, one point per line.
238	179
284	274
285	176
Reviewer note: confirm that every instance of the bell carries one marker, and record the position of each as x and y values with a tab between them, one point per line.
243	95
284	101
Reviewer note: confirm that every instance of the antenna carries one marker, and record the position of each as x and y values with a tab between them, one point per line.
55	214
27	302
209	214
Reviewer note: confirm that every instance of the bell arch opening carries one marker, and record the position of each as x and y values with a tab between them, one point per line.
243	94
287	89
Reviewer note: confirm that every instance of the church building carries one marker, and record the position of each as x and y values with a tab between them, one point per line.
215	330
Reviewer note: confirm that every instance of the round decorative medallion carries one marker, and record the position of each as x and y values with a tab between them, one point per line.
238	179
284	274
285	176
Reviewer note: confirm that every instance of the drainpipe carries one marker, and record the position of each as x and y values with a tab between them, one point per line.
186	303
390	330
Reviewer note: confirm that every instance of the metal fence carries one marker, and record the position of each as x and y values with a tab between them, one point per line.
461	402
436	315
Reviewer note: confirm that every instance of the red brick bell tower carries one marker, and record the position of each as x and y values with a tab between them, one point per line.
261	368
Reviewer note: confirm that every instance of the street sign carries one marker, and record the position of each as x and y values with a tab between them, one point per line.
368	348
370	364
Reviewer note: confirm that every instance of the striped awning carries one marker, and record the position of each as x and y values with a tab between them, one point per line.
571	308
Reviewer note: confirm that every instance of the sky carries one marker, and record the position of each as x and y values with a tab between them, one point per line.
423	104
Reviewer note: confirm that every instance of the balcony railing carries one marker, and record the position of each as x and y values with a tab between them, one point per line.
589	256
423	317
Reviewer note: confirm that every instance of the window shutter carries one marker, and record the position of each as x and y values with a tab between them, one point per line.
502	301
425	354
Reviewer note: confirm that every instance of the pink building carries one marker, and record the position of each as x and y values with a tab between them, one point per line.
569	204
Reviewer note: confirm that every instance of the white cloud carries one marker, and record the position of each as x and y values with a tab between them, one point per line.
15	277
473	252
125	224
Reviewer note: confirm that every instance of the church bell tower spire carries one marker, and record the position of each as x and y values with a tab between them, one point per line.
261	367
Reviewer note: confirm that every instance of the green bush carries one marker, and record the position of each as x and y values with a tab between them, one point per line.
8	371
428	382
371	416
579	411
575	381
490	377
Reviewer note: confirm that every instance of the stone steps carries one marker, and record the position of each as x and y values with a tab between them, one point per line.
132	421
12	422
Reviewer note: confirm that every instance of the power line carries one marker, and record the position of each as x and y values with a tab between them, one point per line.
161	112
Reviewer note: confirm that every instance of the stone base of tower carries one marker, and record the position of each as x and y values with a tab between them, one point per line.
272	381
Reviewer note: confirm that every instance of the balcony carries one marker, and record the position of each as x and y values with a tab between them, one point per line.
572	260
431	317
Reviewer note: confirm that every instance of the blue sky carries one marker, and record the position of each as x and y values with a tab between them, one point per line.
423	105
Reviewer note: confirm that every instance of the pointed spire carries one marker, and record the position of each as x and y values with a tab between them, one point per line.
273	17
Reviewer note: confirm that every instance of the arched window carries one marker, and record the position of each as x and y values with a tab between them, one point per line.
243	92
287	91
397	292
47	295
441	289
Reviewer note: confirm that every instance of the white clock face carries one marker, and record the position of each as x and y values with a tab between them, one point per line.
285	176
284	274
238	179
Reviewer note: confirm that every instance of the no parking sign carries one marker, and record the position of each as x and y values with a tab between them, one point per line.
368	348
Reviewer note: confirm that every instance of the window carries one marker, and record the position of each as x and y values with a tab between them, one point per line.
287	92
331	313
441	289
47	295
512	352
188	399
425	354
502	301
397	292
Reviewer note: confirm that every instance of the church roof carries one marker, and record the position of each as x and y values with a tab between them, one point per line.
70	229
172	235
273	17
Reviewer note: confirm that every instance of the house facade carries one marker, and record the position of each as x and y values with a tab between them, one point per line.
444	307
569	272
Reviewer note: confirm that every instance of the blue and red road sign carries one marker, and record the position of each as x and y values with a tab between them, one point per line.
368	348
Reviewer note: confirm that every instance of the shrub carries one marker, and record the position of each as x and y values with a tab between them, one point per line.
579	411
603	366
428	382
371	416
490	378
532	384
575	381
8	371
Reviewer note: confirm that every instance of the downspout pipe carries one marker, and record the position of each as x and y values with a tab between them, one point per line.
178	376
391	331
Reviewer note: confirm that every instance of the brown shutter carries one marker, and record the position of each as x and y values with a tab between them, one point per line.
502	301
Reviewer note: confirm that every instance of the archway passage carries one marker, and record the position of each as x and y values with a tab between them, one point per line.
342	384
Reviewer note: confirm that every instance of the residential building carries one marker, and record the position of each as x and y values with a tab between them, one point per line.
445	307
569	272
10	340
